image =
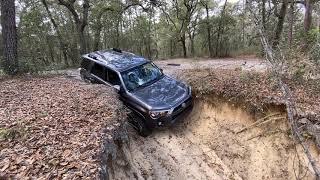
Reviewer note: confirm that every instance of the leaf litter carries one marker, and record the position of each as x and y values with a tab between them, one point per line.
255	88
53	127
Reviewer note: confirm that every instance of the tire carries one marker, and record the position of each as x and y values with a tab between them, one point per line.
144	131
84	76
139	125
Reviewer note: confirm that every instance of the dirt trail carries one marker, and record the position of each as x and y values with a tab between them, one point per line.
205	146
226	63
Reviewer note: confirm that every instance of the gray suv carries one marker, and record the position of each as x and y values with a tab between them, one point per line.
155	99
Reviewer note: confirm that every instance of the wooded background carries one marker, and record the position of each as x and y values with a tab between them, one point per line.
52	34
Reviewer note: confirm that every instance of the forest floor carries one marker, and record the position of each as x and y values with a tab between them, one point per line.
230	94
53	127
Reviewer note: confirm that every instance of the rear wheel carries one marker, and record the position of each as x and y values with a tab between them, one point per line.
139	125
84	76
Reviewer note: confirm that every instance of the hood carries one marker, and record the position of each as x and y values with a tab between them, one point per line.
162	94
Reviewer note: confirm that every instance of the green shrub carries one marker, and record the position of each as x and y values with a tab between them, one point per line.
247	77
10	133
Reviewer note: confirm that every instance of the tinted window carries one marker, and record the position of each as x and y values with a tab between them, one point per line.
113	78
98	70
85	63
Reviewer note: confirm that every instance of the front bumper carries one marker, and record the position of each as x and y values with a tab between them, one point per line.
178	113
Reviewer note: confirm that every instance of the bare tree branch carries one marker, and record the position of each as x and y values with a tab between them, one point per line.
287	95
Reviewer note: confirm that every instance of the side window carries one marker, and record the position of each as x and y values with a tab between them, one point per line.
98	70
113	78
85	63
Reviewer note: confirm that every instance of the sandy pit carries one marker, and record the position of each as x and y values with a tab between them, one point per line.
206	145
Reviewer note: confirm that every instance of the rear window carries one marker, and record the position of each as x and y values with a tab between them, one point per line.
105	74
98	70
113	78
85	63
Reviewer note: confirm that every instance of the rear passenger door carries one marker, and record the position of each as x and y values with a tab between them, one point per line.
98	71
113	77
105	75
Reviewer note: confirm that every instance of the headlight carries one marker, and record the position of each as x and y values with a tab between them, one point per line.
157	114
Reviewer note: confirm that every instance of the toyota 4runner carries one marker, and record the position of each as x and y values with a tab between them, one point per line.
155	99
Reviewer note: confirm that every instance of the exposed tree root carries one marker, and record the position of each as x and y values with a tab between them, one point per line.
260	121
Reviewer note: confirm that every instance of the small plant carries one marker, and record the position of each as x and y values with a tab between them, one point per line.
1	72
271	79
299	73
247	77
10	133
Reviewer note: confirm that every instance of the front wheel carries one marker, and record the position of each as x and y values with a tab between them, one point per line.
139	125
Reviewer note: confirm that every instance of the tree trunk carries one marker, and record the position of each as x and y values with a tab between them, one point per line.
183	43
171	48
291	23
118	33
82	39
80	22
308	15
307	23
279	27
264	23
243	24
208	31
155	52
97	37
98	28
220	27
9	36
105	42
63	46
50	50
192	47
319	20
149	40
191	37
222	44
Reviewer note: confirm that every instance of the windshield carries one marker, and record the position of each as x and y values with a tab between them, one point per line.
141	76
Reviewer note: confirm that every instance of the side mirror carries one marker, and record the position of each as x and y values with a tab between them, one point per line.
161	70
117	87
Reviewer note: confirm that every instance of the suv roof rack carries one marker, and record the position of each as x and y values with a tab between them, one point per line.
116	59
117	50
93	56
